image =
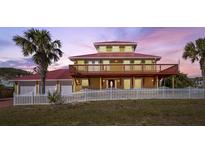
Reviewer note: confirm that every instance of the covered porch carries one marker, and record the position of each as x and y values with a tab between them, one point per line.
118	82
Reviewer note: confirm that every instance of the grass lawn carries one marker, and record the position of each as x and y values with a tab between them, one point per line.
129	112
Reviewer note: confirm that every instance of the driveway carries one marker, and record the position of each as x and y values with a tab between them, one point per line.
6	102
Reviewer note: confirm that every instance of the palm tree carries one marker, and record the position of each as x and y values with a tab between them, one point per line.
44	51
195	51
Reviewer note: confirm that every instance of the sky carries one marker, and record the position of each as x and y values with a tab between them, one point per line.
165	42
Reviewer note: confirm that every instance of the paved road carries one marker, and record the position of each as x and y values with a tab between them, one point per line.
6	102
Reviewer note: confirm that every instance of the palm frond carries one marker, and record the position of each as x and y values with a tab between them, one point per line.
27	47
190	52
57	44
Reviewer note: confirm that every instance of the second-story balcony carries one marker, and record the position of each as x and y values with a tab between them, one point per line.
103	69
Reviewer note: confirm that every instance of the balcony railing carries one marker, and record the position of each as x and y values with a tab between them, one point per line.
124	68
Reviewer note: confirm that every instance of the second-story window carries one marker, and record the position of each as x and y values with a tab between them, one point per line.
115	49
137	61
94	65
102	48
127	65
128	48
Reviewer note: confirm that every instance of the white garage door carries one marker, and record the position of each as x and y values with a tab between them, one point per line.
27	90
66	90
50	89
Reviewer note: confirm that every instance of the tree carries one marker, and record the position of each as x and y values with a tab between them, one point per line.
44	51
181	81
195	51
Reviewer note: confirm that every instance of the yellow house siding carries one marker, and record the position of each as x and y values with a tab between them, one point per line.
58	86
122	48
16	88
37	87
109	49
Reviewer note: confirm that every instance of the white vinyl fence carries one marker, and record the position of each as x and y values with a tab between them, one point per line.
114	94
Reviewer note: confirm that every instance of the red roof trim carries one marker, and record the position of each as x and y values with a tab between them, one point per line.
60	74
131	55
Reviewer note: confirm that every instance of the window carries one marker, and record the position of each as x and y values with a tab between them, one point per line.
80	62
137	61
127	66
106	66
137	67
102	48
115	49
85	83
128	48
138	83
127	83
148	61
149	67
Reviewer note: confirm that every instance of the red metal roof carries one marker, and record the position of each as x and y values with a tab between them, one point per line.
60	74
115	55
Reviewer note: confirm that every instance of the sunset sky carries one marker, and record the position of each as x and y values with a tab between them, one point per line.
165	42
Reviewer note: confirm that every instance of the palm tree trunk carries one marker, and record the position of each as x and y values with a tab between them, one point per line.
43	80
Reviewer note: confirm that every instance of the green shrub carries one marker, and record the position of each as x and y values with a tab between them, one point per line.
55	98
6	92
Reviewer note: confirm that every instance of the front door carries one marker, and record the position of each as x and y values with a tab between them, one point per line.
111	83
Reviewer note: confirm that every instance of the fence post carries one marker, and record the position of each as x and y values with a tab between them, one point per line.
163	93
14	99
110	92
32	100
85	95
189	92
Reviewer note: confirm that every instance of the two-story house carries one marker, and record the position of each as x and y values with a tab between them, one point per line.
117	65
